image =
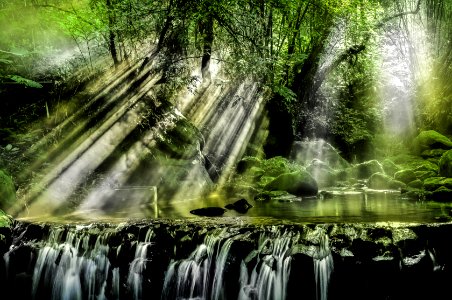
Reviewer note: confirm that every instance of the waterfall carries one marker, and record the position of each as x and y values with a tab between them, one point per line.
187	260
323	267
138	265
192	276
269	277
68	265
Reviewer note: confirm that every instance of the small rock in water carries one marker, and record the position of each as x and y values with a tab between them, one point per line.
325	195
240	206
208	211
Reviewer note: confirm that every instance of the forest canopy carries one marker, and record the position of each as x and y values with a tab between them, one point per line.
316	56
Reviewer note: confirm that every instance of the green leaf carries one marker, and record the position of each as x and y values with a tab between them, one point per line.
25	81
5	61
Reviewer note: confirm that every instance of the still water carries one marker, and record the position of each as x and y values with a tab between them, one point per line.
340	206
335	206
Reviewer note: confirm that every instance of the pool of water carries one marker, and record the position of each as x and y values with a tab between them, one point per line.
338	206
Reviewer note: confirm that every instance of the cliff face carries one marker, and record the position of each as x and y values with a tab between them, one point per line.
220	259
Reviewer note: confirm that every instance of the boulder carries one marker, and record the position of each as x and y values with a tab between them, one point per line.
405	176
445	164
267	195
322	173
422	175
434	183
380	181
430	139
277	165
208	211
304	152
5	219
442	194
416	184
366	169
240	206
389	167
7	191
299	183
432	153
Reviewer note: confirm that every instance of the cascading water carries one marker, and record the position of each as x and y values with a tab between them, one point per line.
181	260
269	277
323	267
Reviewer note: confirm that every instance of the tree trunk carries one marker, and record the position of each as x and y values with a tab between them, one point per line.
111	34
206	28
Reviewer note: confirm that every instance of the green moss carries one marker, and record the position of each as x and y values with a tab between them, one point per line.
442	194
298	183
5	220
430	139
380	181
405	176
417	183
7	191
434	183
445	164
389	167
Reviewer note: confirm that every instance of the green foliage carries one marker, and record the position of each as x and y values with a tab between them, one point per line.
24	81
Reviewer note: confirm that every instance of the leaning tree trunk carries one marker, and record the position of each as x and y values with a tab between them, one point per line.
111	33
206	29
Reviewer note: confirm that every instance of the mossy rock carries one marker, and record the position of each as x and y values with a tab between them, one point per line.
430	139
380	181
415	163
182	141
417	184
7	191
5	219
422	175
322	173
432	153
366	169
415	193
445	164
434	183
247	163
405	176
389	167
299	183
442	194
267	195
278	165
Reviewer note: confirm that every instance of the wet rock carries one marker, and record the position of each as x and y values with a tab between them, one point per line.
422	175
305	151
405	176
380	181
432	153
267	195
433	183
389	167
240	206
298	183
445	164
247	163
325	195
430	139
417	184
322	173
208	211
7	191
442	194
366	169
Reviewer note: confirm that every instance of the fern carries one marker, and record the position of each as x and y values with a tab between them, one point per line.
24	81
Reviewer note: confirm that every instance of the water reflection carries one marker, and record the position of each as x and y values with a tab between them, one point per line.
333	206
339	206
